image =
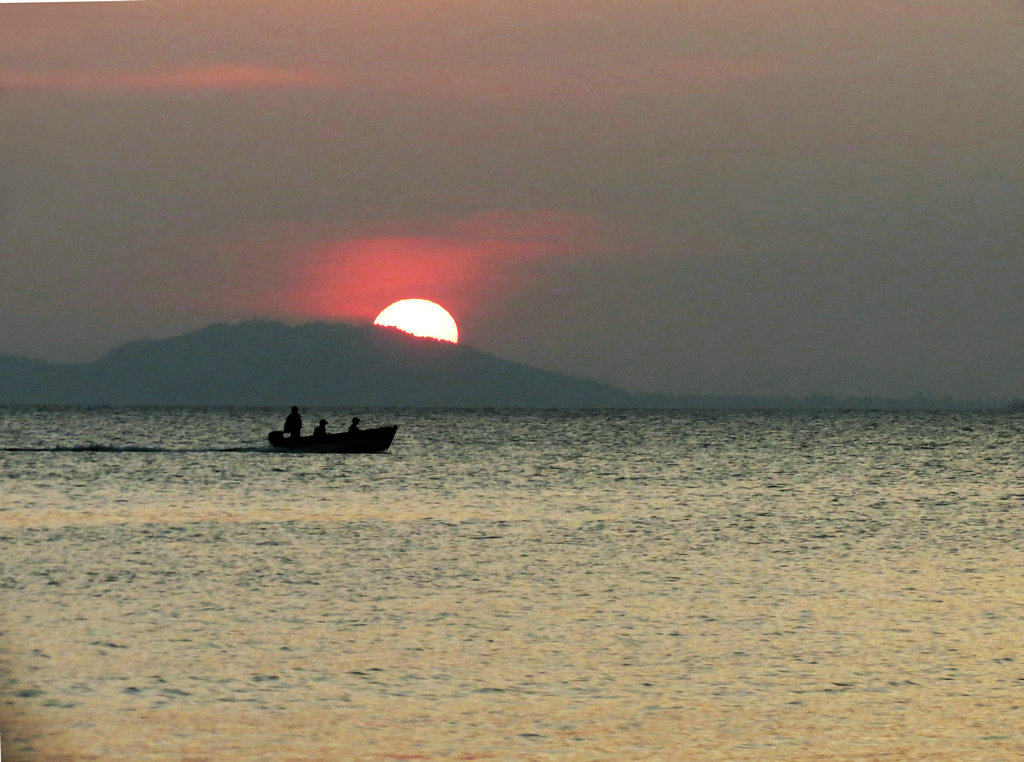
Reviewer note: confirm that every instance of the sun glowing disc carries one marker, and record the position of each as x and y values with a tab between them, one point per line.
420	317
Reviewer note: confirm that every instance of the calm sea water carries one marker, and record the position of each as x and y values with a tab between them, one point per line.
512	585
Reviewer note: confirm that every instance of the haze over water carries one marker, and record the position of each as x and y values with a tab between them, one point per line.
512	585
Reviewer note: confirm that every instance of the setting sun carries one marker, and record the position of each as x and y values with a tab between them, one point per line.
420	317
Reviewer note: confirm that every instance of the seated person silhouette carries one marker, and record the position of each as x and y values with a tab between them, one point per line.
293	423
321	430
354	427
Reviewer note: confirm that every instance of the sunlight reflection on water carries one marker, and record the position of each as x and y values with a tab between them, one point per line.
513	586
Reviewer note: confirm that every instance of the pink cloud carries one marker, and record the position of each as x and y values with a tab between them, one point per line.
210	77
441	80
459	263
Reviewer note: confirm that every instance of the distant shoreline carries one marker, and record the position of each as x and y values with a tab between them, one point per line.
752	406
268	364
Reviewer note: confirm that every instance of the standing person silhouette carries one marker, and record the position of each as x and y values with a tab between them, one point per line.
293	423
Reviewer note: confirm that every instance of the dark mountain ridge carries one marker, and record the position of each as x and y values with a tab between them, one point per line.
267	363
263	363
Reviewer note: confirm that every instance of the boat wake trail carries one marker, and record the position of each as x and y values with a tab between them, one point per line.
131	448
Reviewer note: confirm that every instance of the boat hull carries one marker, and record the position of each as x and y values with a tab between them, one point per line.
366	440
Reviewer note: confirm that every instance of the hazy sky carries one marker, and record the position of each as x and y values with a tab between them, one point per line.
709	196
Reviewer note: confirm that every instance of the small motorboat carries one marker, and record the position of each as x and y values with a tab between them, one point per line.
363	440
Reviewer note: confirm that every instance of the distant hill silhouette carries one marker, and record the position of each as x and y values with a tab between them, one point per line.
262	363
266	363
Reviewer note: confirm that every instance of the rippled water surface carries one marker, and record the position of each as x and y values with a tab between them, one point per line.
511	585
